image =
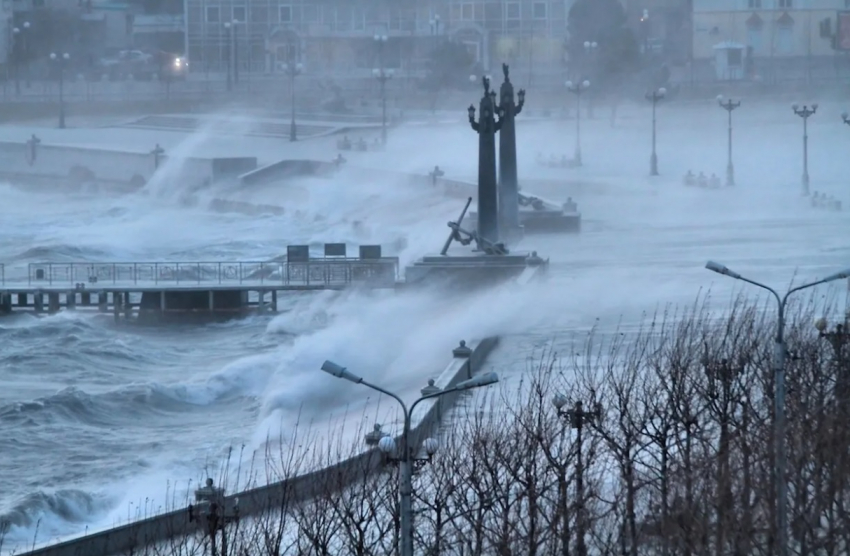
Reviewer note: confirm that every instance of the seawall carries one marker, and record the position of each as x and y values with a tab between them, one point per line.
130	537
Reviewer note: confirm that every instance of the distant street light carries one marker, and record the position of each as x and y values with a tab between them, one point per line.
406	458
779	353
845	117
435	24
61	60
382	75
577	417
293	69
232	29
654	97
157	152
729	106
577	89
590	48
805	112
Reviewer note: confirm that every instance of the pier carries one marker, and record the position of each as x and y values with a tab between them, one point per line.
193	290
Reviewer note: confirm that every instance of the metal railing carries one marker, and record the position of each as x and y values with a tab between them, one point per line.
328	272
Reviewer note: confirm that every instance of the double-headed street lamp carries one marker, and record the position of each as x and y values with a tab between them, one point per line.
805	112
577	89
654	97
578	417
61	60
232	31
729	106
590	48
779	353
382	75
292	69
405	457
19	47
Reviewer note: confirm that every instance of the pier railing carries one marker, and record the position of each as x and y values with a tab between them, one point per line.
327	272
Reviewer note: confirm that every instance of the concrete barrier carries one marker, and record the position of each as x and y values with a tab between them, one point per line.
80	164
289	168
467	360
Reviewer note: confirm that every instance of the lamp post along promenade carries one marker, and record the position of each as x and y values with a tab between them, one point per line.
805	112
729	105
779	355
406	457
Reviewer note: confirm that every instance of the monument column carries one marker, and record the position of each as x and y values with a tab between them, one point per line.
488	193
508	180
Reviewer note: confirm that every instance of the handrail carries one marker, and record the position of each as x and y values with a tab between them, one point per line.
329	271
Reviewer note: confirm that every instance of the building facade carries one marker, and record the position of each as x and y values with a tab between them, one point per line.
766	28
337	36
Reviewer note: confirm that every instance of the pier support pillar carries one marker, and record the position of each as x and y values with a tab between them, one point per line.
23	299
261	302
38	302
211	305
128	307
85	299
116	305
6	303
71	300
102	301
162	304
53	303
274	301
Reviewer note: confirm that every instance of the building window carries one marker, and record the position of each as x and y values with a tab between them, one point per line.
785	3
213	15
754	4
286	14
512	10
540	10
754	38
785	39
467	12
240	14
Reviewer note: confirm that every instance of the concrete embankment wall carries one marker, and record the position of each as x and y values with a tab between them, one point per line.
124	539
90	165
295	168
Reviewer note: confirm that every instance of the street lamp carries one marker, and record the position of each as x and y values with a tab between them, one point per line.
779	352
61	60
577	89
577	417
729	106
405	457
232	54
805	112
210	503
590	67
157	152
654	97
435	24
293	69
382	75
644	25
845	117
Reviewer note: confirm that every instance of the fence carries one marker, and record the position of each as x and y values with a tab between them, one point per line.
329	272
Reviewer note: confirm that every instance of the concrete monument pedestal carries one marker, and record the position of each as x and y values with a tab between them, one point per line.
474	270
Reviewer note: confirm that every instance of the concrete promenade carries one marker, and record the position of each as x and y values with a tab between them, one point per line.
131	537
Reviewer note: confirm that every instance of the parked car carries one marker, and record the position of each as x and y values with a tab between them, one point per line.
169	65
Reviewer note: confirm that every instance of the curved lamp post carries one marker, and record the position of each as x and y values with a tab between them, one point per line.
805	112
405	457
590	49
382	75
61	60
729	106
654	97
577	89
292	70
781	525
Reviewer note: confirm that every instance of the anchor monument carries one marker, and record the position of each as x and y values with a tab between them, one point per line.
488	193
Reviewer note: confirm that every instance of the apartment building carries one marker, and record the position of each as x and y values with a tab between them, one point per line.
337	36
766	28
